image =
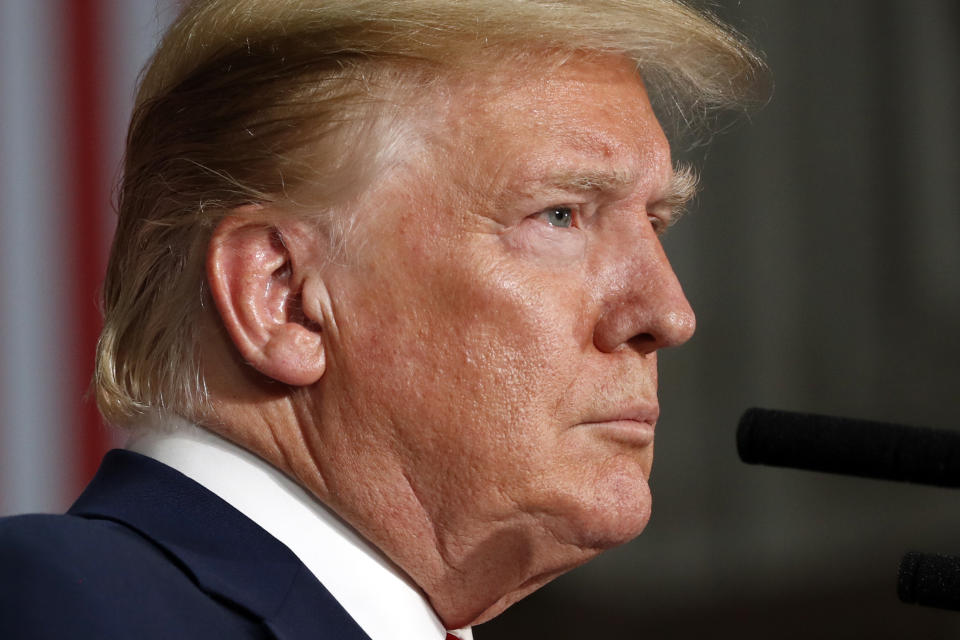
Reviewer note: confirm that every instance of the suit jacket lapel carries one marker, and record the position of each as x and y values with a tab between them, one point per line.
226	553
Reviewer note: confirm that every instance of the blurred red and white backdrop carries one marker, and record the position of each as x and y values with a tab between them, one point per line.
68	72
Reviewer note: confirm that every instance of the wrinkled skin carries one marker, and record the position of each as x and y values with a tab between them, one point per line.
486	407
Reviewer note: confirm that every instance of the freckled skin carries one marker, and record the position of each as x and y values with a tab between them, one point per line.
479	360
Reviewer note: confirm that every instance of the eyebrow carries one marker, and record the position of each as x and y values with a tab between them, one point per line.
592	181
680	190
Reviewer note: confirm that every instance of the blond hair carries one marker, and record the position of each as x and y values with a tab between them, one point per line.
248	101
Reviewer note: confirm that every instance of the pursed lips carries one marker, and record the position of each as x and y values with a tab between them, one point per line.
634	424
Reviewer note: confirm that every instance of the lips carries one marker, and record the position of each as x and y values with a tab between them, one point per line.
648	413
633	424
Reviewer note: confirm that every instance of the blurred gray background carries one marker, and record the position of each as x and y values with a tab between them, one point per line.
823	260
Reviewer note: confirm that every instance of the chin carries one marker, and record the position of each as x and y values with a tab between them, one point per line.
609	528
614	512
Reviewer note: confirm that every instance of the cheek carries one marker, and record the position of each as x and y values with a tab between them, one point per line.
470	344
518	335
466	353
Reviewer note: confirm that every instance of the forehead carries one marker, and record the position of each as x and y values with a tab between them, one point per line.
553	118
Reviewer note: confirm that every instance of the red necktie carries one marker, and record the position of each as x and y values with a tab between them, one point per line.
450	636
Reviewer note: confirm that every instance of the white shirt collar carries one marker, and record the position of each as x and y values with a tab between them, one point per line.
382	600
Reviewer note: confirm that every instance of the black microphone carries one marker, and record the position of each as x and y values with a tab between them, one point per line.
930	580
848	446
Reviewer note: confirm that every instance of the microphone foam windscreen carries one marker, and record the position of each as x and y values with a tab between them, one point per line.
848	446
930	580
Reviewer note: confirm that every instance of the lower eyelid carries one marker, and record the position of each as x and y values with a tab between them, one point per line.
537	238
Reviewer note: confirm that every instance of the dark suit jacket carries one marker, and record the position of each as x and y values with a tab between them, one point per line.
148	553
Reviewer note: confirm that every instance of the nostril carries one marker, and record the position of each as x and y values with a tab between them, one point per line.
642	342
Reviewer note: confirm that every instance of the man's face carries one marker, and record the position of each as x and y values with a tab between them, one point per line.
496	326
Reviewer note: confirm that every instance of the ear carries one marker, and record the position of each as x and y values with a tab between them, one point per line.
256	286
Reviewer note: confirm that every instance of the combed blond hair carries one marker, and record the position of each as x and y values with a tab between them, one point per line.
251	101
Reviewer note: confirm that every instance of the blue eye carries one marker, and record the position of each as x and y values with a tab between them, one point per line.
559	216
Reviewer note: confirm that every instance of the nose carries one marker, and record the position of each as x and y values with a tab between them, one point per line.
644	306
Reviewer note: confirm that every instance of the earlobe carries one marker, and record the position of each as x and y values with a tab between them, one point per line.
257	287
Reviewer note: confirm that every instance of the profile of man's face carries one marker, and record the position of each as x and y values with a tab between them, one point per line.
497	324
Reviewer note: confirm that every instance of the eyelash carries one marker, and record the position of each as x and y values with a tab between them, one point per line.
660	227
